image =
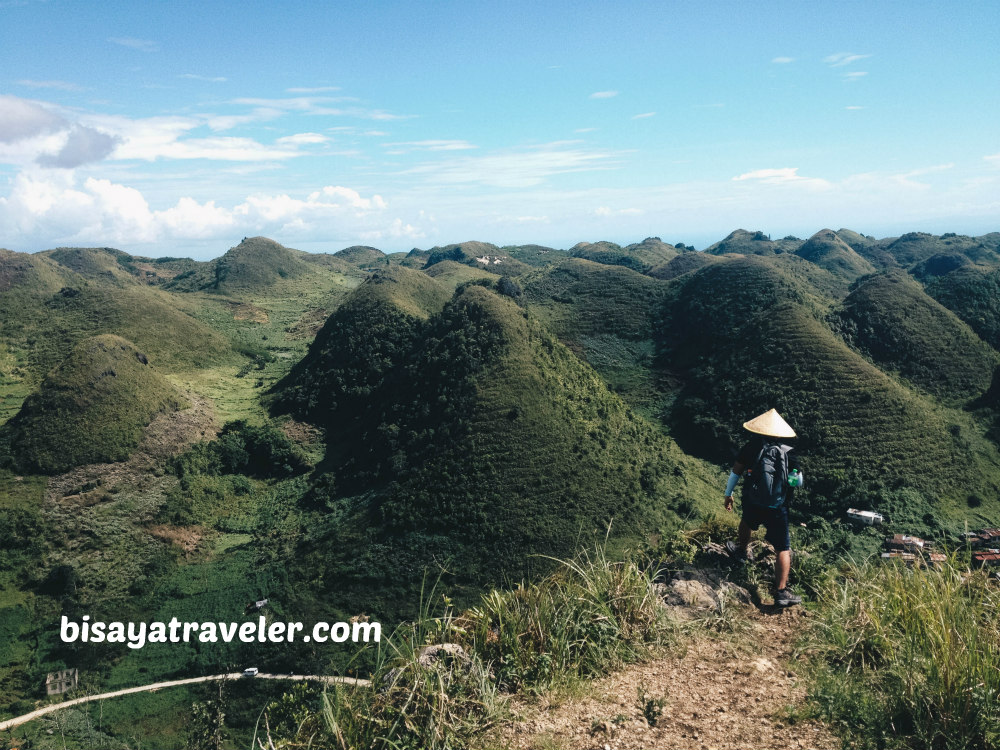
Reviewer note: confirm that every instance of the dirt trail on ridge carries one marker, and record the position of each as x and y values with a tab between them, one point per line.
729	693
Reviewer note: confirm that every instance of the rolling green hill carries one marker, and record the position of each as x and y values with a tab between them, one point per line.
255	263
974	296
489	441
92	408
360	255
892	321
478	255
681	264
606	314
351	355
828	251
761	343
916	247
640	257
742	242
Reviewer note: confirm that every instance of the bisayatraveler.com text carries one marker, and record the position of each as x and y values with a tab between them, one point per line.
138	634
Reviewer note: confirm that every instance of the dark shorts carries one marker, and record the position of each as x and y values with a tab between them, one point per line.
775	520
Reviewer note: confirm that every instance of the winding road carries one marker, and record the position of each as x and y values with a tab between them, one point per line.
18	720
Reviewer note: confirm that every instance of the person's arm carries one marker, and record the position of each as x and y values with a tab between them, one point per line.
734	476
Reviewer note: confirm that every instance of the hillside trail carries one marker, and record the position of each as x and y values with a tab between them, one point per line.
724	692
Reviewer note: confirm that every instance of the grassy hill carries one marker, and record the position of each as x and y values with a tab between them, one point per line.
916	247
828	251
255	263
360	255
478	255
762	343
452	273
640	256
974	296
47	308
681	264
607	315
489	441
535	255
742	242
892	321
92	408
348	361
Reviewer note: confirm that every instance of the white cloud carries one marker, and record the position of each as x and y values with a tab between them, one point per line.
397	229
50	207
58	85
318	105
841	59
312	90
523	167
430	145
209	79
644	115
605	212
603	94
853	106
31	132
993	159
855	75
142	45
22	118
302	139
82	146
782	60
781	176
585	130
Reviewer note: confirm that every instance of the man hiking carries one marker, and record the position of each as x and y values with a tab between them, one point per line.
772	473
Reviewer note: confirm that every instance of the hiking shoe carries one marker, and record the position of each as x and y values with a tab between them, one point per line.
740	553
785	598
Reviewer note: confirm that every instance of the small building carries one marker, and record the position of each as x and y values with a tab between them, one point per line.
256	606
907	543
57	683
986	559
867	517
987	538
907	557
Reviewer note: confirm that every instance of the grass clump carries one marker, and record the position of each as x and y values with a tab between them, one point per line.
909	658
590	615
94	407
442	682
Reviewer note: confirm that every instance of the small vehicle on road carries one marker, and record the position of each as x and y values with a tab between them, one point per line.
250	672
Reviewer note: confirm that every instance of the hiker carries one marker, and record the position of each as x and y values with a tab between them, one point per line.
772	475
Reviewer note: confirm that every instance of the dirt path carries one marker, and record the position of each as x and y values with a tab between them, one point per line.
25	718
727	693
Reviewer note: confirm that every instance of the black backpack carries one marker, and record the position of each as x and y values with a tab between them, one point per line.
765	484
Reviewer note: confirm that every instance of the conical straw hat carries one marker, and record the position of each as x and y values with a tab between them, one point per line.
771	424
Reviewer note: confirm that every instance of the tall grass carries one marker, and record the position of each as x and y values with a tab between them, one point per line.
589	616
910	658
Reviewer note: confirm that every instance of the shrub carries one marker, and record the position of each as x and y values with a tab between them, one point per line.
908	658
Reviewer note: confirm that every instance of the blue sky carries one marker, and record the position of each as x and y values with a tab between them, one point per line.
179	128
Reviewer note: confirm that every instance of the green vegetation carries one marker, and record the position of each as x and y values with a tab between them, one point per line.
742	242
390	416
593	614
828	251
640	257
907	658
974	296
890	319
92	408
759	341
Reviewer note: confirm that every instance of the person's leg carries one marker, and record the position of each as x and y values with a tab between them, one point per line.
782	564
743	535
